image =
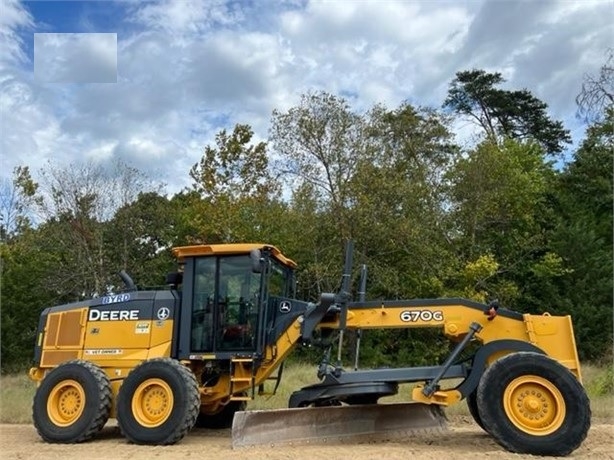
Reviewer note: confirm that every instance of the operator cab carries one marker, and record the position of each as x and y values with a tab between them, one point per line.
225	297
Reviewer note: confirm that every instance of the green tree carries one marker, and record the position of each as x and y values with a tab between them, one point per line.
234	167
498	198
399	212
320	142
140	236
398	201
377	178
17	202
311	237
75	205
504	114
25	264
78	202
583	237
234	196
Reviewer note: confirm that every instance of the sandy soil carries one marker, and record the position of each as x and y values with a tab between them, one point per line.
465	440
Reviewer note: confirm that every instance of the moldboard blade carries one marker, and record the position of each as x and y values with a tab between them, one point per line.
359	423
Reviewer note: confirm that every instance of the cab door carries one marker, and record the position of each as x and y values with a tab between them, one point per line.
220	306
237	307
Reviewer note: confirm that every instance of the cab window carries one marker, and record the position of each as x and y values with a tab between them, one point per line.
237	300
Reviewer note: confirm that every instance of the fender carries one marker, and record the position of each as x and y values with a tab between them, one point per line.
479	361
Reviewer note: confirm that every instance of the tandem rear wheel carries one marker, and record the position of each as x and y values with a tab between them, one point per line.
72	403
158	402
531	404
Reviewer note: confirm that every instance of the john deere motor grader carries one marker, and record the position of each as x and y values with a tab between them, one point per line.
163	361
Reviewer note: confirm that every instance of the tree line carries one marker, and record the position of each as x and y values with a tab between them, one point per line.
498	219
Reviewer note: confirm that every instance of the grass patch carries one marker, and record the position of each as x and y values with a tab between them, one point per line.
17	392
599	384
295	376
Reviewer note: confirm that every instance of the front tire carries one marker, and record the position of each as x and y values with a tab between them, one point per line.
72	403
158	402
532	404
472	405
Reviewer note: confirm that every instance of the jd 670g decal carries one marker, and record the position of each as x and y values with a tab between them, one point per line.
411	316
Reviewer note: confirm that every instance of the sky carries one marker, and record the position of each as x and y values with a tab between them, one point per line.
151	82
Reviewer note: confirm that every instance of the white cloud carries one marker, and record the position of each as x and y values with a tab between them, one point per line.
12	18
101	152
29	132
144	148
75	58
186	69
361	46
187	17
230	68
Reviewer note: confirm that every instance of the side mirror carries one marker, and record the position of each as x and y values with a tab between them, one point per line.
256	258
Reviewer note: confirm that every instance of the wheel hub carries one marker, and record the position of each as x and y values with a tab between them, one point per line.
534	405
66	403
152	403
70	402
155	401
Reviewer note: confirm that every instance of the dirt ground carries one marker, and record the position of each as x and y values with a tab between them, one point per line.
465	440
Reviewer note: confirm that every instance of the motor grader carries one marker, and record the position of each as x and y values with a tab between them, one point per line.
193	354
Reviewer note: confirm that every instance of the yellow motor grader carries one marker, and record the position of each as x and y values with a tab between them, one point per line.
193	354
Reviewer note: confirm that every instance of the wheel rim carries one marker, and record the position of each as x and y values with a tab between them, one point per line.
534	405
152	403
66	403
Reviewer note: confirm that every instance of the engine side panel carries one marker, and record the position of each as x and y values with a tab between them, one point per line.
113	331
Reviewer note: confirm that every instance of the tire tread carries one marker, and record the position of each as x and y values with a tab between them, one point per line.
190	409
490	394
102	413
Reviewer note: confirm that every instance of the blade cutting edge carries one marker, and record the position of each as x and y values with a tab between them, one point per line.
357	423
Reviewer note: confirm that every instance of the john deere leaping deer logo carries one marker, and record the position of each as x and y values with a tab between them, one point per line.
285	306
163	313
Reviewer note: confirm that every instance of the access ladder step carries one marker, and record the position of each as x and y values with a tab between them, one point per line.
238	365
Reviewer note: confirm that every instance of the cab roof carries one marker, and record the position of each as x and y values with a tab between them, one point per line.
182	252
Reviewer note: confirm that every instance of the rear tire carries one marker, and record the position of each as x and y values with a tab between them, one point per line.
158	402
532	404
72	403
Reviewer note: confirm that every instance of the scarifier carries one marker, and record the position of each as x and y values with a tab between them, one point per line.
164	361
